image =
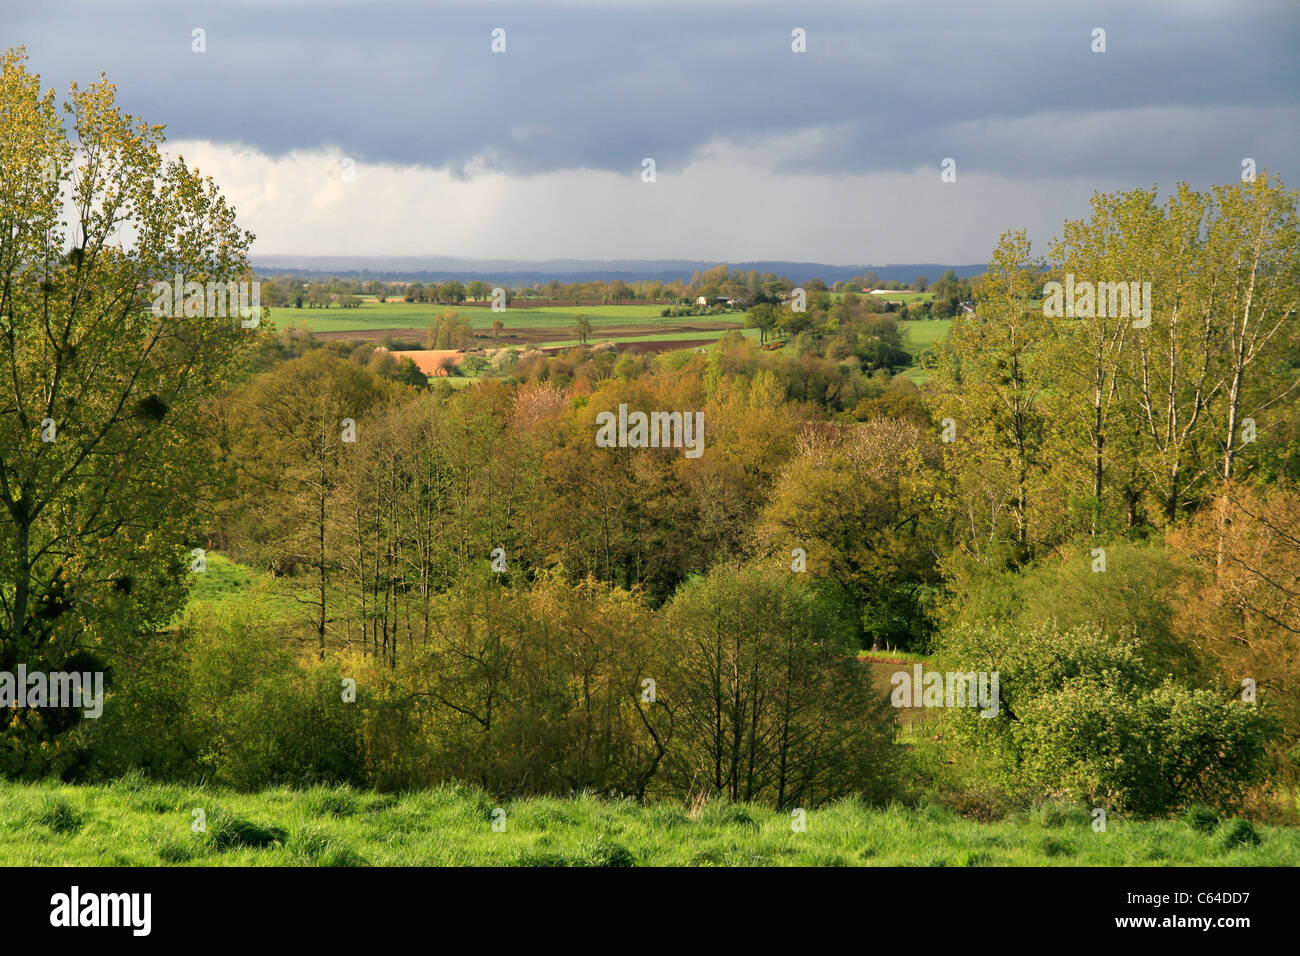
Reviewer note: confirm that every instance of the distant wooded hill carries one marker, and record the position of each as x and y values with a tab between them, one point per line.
517	271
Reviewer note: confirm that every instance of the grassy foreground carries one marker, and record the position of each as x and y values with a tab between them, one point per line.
135	823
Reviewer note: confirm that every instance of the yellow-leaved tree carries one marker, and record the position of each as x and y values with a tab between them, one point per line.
102	381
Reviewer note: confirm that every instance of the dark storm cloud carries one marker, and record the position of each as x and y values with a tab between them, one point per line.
1184	90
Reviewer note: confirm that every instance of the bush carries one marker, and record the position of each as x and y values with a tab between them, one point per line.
264	718
1079	715
1136	597
146	725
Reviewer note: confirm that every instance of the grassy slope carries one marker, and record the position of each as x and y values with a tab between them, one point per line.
224	580
919	335
922	333
134	823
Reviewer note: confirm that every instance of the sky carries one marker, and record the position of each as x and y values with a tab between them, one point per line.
394	128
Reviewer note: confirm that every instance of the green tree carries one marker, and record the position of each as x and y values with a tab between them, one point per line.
452	293
287	433
859	504
770	701
582	328
763	317
792	323
408	373
101	435
992	384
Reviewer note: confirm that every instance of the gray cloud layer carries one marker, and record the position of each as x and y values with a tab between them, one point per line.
830	155
1185	89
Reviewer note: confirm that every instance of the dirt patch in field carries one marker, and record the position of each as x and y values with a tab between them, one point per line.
483	338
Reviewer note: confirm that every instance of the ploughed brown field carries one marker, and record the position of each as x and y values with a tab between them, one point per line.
484	338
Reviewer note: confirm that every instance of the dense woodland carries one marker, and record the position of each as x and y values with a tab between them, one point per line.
1105	514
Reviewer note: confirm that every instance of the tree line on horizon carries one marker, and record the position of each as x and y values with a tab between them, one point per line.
287	289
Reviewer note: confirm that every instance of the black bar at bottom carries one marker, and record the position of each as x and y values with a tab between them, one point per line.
619	907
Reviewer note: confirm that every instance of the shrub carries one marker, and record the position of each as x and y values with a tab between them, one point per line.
1136	597
1080	715
264	718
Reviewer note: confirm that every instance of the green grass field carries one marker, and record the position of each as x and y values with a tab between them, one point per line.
401	315
397	315
226	581
133	823
222	581
919	335
922	333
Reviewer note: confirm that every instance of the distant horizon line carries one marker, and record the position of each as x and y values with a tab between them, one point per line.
435	257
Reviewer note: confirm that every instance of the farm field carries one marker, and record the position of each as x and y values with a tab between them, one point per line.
395	315
637	326
558	335
133	822
922	333
633	325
